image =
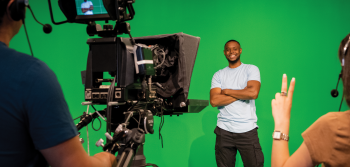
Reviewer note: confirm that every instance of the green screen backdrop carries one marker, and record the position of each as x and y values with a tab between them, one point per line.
299	38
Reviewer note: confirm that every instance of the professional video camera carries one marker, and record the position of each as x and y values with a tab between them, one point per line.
147	75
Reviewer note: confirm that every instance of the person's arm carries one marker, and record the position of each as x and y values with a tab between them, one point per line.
280	155
281	107
72	153
219	99
248	93
91	6
84	10
50	123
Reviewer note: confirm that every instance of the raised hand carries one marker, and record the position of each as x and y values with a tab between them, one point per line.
282	105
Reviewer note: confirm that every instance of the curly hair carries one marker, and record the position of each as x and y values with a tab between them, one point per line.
3	7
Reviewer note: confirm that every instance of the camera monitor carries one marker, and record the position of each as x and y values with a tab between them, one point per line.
90	7
83	11
88	11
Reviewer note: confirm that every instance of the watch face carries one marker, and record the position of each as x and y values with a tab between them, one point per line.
276	135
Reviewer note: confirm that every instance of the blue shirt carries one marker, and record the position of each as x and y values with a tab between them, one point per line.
33	112
239	116
85	5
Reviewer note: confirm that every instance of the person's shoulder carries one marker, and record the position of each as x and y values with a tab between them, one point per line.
250	66
329	117
335	118
222	70
320	137
15	59
325	122
30	61
324	119
26	63
9	52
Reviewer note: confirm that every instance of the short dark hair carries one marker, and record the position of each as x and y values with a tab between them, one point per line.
345	69
3	7
232	40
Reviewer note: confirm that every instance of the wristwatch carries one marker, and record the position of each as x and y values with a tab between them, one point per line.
278	135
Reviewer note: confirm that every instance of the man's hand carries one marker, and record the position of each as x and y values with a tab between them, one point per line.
87	9
84	10
224	91
72	153
219	99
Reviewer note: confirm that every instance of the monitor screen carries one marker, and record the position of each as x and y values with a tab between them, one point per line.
90	7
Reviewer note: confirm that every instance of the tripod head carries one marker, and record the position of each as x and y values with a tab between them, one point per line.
128	141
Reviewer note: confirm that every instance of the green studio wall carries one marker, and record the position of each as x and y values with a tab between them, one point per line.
299	38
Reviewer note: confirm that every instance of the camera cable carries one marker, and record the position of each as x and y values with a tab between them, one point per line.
161	125
98	113
30	47
92	124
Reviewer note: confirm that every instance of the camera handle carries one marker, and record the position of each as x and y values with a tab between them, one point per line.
51	14
108	31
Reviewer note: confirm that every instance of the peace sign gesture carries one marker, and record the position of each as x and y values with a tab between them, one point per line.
282	105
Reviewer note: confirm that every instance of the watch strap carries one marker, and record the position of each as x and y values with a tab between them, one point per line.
280	136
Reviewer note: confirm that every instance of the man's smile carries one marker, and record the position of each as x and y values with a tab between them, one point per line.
232	56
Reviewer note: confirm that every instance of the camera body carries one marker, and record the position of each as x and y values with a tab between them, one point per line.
170	81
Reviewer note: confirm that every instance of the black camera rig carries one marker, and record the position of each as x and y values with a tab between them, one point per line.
135	77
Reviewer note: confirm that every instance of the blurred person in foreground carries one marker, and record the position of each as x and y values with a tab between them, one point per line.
326	141
36	126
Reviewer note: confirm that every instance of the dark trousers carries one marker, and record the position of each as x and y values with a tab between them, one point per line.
227	144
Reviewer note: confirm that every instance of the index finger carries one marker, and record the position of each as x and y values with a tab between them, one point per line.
284	83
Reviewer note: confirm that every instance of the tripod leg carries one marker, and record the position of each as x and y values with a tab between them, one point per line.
126	158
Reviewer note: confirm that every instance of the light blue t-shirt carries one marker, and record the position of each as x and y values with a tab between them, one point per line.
239	116
87	4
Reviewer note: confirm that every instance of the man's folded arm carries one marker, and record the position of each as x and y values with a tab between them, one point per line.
219	99
249	93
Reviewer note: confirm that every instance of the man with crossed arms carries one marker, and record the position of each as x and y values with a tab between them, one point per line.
234	90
